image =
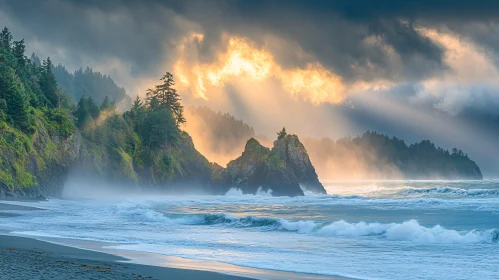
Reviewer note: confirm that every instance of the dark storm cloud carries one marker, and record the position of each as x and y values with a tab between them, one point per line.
134	32
333	32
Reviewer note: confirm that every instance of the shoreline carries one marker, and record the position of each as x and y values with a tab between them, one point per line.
93	255
30	257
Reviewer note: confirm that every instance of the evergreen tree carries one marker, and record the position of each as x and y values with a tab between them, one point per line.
36	60
137	104
158	128
12	93
5	39
153	102
281	134
48	84
106	104
136	114
167	97
81	113
86	110
18	52
18	111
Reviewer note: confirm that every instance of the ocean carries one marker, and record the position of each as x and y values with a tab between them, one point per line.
361	229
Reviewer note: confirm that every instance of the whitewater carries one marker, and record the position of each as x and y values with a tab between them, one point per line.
363	230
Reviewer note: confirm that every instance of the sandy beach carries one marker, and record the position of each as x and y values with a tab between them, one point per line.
29	258
26	258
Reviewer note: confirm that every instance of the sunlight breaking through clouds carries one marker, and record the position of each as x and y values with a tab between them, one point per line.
242	60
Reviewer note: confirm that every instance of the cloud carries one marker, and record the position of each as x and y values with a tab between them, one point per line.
240	59
143	34
471	81
129	39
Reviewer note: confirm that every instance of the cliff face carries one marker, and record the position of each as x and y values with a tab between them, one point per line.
175	168
35	166
182	168
281	170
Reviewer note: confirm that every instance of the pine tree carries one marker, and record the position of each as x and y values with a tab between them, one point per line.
18	52
81	113
106	104
48	83
5	39
13	94
35	59
18	111
137	104
281	134
86	110
167	97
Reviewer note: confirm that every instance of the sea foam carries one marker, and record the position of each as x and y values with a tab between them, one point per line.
451	191
410	230
239	192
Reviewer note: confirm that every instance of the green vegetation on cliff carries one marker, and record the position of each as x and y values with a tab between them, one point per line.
36	131
43	133
143	145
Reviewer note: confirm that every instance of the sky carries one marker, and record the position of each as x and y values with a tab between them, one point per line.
412	69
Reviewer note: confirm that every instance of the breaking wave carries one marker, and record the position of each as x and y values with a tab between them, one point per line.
409	230
451	191
239	192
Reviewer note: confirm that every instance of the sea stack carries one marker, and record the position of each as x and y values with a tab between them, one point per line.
285	169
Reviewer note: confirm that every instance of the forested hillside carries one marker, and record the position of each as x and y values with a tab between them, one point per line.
86	82
36	130
144	144
377	156
43	133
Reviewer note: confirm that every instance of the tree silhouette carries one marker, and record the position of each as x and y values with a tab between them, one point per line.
281	134
165	96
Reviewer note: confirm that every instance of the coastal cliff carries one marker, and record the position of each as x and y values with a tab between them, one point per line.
36	166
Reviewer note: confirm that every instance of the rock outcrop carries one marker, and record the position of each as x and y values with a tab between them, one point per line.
285	169
297	161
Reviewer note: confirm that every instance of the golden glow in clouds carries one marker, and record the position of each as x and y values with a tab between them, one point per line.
241	59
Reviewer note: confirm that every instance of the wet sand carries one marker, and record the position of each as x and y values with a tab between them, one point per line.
26	258
29	258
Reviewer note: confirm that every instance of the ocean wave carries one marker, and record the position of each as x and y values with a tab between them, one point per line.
409	230
239	192
451	191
